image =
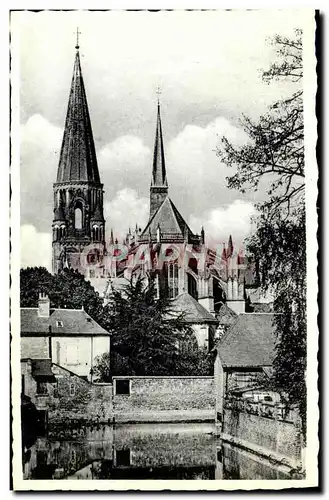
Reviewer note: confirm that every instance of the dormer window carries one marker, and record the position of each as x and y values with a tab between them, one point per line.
59	324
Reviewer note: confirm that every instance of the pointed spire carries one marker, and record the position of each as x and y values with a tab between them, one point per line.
78	160
202	236
224	256
159	177
111	237
229	251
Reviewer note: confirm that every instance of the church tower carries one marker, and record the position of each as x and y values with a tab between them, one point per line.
78	222
159	184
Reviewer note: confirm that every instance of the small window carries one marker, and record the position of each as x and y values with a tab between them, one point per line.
72	389
122	386
123	458
59	324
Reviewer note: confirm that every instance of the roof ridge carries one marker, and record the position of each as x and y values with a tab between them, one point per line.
57	309
177	212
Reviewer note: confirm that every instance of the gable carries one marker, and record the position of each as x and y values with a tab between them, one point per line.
169	219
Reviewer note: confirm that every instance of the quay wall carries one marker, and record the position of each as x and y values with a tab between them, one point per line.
163	399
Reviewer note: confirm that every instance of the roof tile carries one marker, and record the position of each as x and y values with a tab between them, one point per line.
249	342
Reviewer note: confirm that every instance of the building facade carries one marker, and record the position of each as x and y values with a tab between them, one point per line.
69	337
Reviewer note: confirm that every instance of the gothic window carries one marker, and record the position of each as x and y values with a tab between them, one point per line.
192	286
78	217
172	280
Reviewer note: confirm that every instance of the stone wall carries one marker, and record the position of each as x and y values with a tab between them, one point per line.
164	399
264	429
79	399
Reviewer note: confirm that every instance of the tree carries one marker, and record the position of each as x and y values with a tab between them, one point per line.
274	155
34	280
147	337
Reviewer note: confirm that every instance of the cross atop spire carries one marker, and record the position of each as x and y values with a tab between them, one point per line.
77	33
158	93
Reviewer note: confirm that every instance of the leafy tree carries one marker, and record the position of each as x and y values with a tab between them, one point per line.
274	156
34	280
147	337
67	289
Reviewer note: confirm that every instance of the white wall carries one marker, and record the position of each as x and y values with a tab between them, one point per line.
78	353
202	334
74	353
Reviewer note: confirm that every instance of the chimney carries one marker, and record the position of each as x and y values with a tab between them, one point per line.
43	306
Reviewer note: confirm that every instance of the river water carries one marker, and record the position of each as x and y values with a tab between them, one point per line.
142	451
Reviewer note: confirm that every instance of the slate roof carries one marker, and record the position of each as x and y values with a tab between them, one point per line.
75	322
194	311
169	219
249	342
78	160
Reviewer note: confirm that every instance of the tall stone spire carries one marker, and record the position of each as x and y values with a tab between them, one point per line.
78	220
78	160
159	184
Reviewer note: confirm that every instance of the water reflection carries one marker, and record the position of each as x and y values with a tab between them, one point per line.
142	451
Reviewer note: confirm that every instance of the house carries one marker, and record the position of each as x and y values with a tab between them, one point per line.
69	337
244	355
195	315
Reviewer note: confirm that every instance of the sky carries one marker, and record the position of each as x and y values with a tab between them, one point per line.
208	65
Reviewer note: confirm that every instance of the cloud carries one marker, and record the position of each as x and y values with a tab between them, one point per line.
220	222
124	211
39	156
196	176
123	163
35	247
